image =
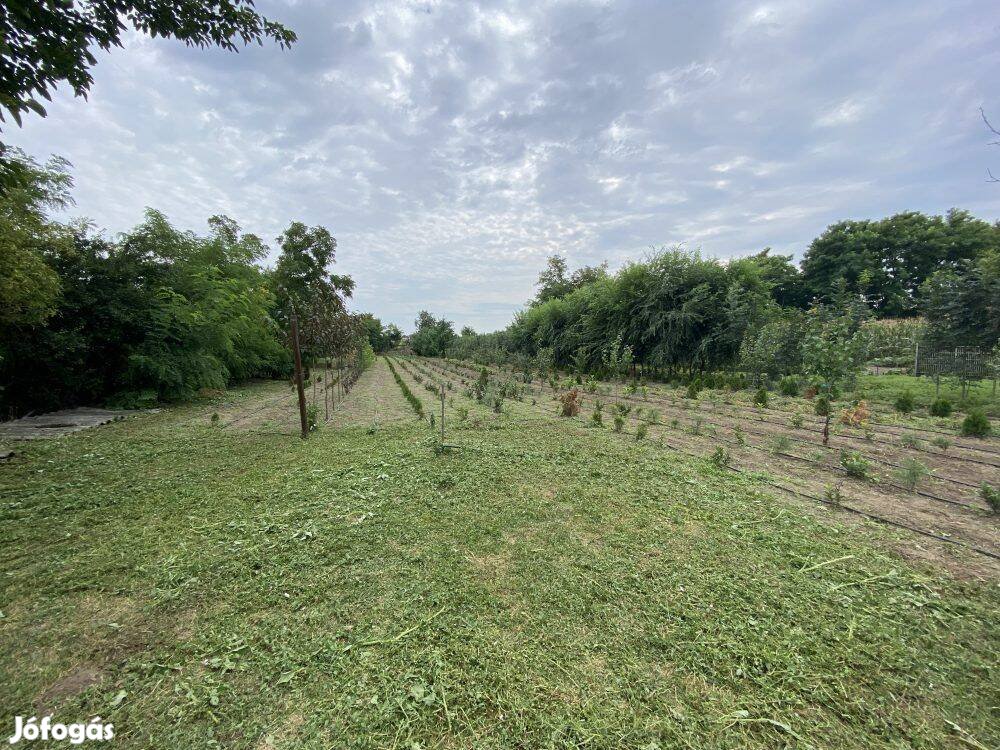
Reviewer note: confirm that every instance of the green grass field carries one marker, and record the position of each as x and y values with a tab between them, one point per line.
888	387
543	587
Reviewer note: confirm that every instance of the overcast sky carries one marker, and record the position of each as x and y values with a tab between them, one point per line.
451	147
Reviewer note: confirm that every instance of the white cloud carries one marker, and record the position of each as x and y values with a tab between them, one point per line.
451	146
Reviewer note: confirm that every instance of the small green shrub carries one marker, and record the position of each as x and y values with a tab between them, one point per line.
619	424
463	413
781	444
697	425
904	403
832	494
911	472
215	419
822	406
641	430
991	495
976	424
909	440
312	417
940	407
941	442
856	465
796	420
789	386
720	457
692	390
740	436
760	397
597	418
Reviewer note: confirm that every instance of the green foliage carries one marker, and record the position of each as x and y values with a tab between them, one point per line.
760	397
940	407
415	403
796	420
909	440
832	494
781	444
822	406
312	417
789	386
619	422
29	286
904	402
640	431
941	442
911	472
887	261
160	311
692	390
433	337
976	424
720	457
856	465
991	495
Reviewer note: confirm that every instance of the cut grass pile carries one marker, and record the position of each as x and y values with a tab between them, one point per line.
544	587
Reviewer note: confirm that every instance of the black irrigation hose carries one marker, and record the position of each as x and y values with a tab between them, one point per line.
849	509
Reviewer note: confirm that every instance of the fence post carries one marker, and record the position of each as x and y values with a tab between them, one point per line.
916	359
298	375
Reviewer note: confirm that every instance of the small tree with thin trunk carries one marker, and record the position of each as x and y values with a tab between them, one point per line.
832	354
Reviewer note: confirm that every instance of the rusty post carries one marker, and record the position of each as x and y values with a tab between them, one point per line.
298	375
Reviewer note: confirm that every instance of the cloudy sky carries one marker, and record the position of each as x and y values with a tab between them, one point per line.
451	146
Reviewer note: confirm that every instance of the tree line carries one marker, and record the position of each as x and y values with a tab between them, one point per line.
677	311
156	314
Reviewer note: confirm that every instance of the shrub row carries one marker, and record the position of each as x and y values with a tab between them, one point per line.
414	402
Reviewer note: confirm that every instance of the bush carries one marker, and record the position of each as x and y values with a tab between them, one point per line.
976	424
720	457
991	495
941	407
641	430
781	444
619	423
789	386
692	390
941	442
796	420
904	402
856	465
911	472
597	418
822	406
760	397
856	416
570	402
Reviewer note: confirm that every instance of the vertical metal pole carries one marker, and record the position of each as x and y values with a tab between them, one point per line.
442	416
916	358
298	375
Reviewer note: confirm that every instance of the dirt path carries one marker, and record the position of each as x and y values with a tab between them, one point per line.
375	399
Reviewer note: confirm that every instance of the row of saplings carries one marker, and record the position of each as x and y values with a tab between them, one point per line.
853	463
975	423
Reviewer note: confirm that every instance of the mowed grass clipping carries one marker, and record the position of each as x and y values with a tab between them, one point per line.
543	587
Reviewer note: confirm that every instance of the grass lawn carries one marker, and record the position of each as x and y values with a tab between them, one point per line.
544	587
888	387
